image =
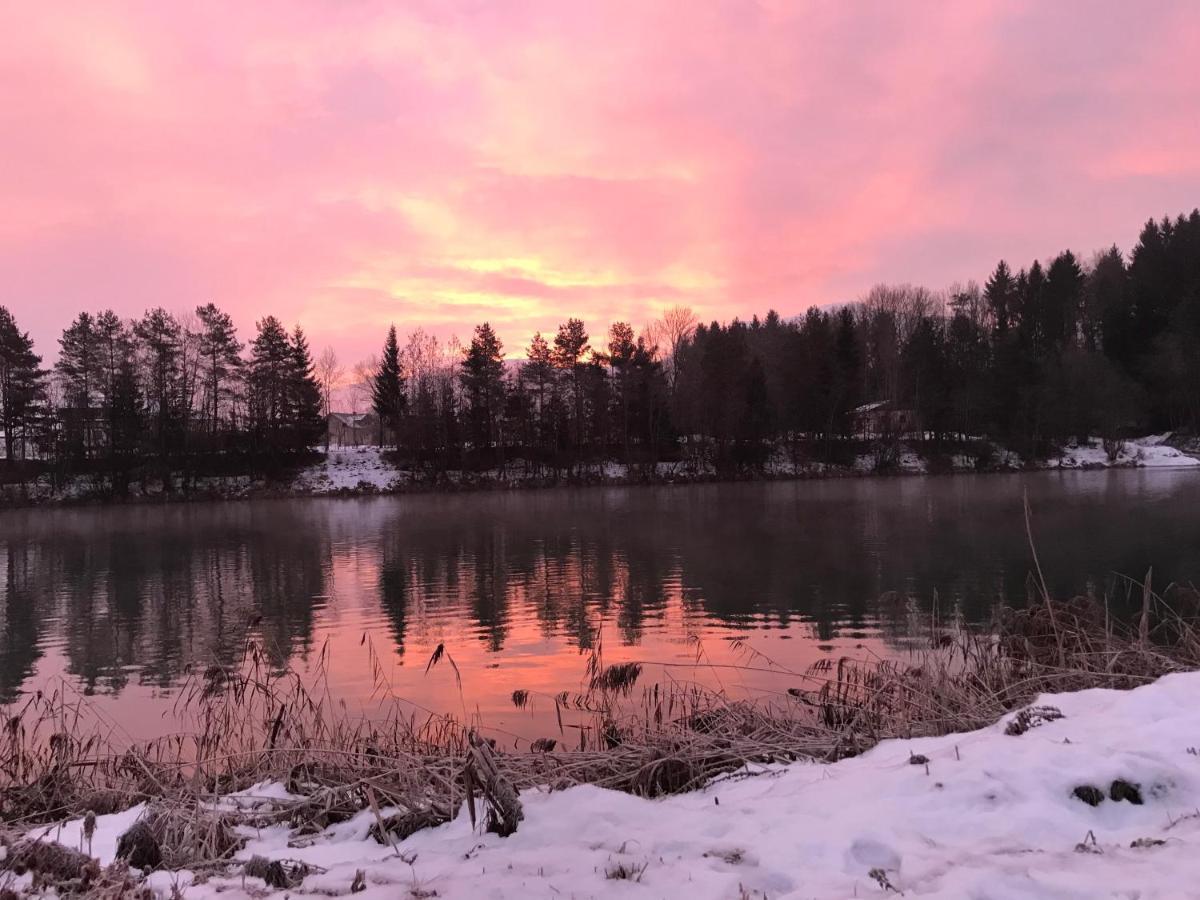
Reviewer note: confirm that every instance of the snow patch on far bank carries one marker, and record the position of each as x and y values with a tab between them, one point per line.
348	468
982	814
1147	452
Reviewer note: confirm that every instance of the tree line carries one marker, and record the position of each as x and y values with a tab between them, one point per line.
1036	356
157	391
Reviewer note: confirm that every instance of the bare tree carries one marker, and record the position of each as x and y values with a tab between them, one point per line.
330	375
361	376
670	332
907	304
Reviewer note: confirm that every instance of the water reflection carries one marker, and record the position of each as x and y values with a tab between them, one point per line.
124	601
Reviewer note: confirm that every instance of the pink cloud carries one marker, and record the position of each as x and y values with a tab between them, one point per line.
433	164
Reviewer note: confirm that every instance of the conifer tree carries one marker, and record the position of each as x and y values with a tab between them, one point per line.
305	419
269	377
20	387
570	346
482	377
539	376
387	389
78	369
159	335
220	362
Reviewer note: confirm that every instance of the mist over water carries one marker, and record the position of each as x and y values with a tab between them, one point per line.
123	602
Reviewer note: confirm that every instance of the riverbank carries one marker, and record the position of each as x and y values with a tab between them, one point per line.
947	775
981	814
367	471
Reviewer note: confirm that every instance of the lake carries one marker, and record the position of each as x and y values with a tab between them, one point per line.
120	603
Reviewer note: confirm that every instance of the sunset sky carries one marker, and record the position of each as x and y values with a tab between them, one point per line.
349	164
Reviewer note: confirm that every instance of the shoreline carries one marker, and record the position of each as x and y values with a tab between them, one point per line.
983	813
379	478
1054	759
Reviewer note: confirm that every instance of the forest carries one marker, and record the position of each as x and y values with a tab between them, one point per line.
1034	357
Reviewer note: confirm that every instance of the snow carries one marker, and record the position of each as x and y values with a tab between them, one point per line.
364	470
990	815
1147	452
911	463
347	468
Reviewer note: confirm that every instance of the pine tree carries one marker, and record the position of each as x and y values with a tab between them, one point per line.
1031	295
1062	302
126	418
849	370
220	361
114	354
269	377
539	376
20	387
621	351
570	345
999	293
482	377
1106	311
387	389
159	336
78	368
755	426
305	419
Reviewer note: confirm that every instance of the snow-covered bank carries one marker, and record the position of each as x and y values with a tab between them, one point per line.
1148	452
363	469
986	814
348	469
353	471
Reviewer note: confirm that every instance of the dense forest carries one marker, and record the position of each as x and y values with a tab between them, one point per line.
1035	357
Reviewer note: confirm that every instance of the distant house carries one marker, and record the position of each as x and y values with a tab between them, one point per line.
884	417
85	427
353	429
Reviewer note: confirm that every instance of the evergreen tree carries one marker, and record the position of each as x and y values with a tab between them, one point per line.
482	377
1031	296
1105	309
115	355
305	420
20	387
754	429
126	421
570	346
270	375
78	368
387	389
220	362
621	351
159	338
1000	295
849	372
540	378
927	377
1062	302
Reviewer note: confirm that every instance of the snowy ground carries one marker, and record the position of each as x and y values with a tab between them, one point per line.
363	469
1150	452
347	468
989	815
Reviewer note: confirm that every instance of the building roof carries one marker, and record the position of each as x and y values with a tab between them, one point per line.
353	420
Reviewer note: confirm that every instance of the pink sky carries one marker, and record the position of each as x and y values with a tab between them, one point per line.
349	164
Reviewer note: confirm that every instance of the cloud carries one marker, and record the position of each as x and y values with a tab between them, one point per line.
434	164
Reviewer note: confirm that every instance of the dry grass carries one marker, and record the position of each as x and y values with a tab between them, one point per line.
256	724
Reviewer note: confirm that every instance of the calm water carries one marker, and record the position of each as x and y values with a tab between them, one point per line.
121	602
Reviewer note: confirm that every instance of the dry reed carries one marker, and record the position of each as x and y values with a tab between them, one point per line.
255	724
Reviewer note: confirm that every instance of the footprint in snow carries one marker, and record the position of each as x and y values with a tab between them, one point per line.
866	854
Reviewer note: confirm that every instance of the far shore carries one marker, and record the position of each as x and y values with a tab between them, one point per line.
365	471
